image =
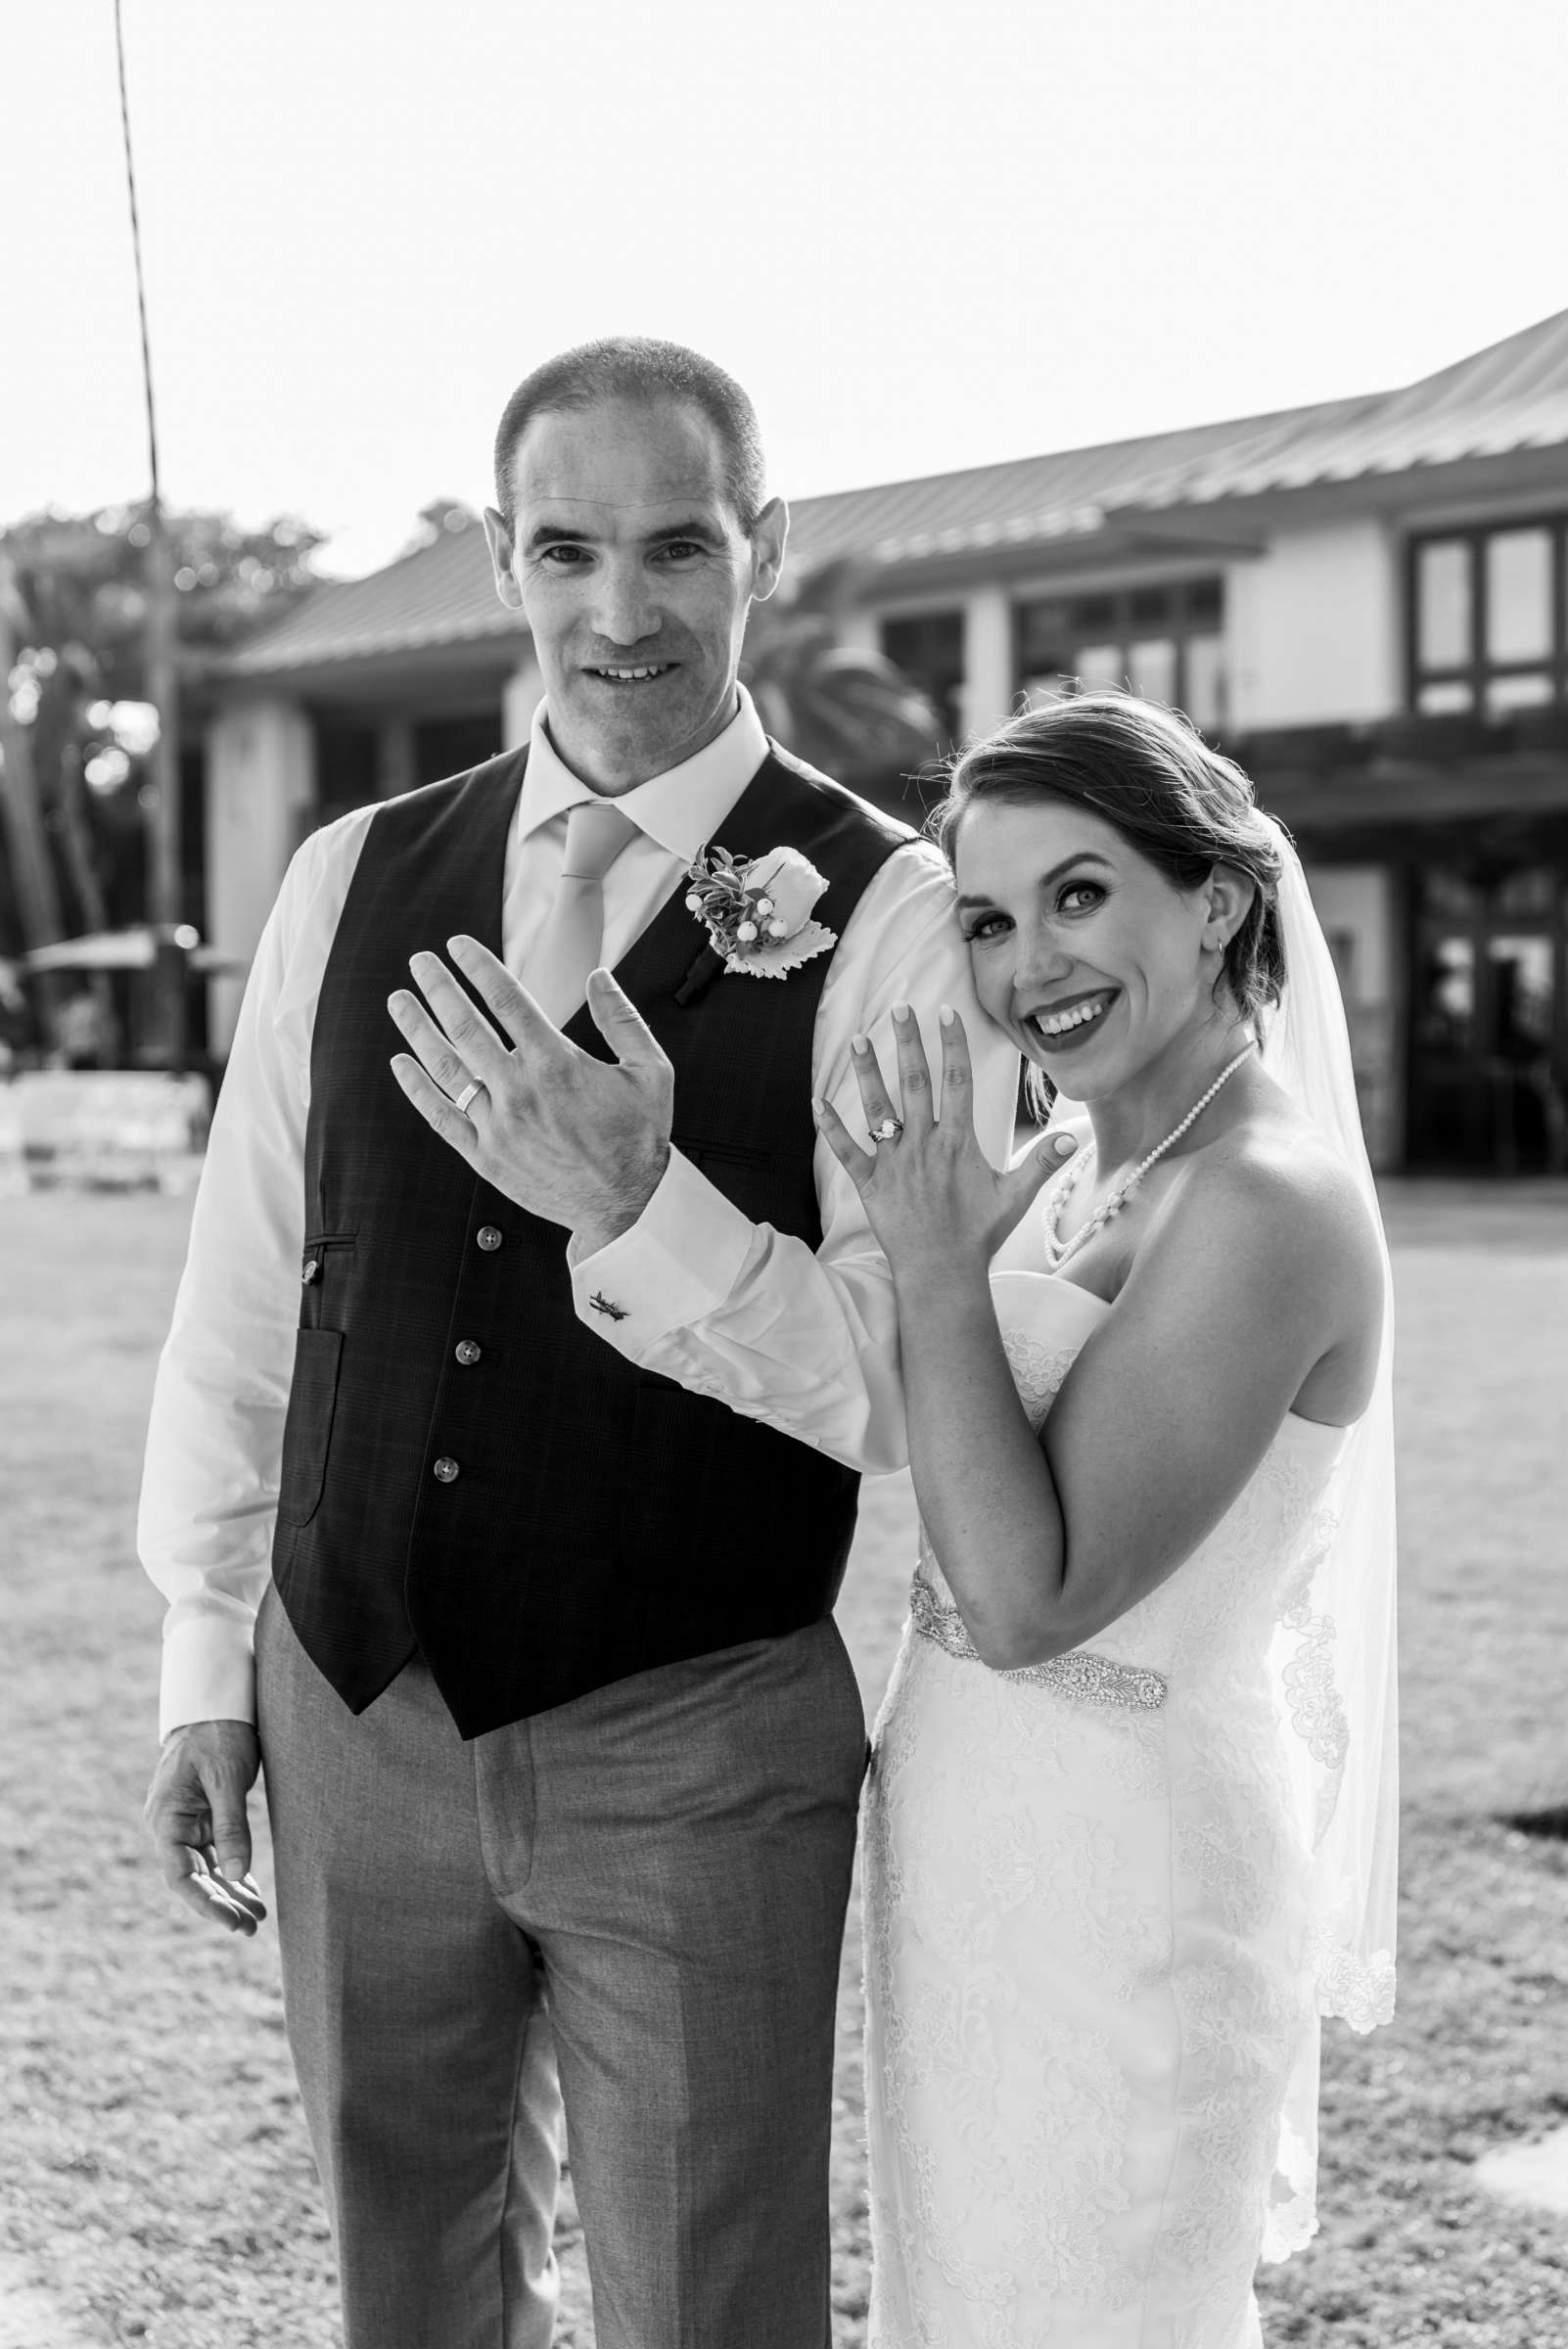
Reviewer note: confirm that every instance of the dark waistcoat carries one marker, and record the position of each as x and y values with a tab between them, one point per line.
600	1520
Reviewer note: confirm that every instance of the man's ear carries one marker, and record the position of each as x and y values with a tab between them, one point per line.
768	534
1231	894
499	538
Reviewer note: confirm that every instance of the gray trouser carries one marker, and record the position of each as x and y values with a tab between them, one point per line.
645	1888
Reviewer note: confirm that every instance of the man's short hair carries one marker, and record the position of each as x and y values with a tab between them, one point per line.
636	367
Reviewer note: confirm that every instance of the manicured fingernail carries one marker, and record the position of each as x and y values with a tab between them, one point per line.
1063	1144
901	1011
818	1105
859	1043
948	1015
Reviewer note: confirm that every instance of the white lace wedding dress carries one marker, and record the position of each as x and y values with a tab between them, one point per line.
1088	1972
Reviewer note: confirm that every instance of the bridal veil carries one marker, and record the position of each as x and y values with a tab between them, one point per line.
1334	1651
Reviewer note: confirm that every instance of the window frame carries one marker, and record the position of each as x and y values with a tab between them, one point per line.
1479	671
1121	626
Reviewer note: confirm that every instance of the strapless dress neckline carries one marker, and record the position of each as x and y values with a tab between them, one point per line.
1060	1311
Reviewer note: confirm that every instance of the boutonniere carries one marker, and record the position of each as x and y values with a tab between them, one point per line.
758	912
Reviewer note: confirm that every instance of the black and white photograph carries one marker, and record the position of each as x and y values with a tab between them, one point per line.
784	1175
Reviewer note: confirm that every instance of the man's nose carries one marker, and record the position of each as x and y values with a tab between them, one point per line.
624	609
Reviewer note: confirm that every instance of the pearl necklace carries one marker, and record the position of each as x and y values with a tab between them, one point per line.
1059	1250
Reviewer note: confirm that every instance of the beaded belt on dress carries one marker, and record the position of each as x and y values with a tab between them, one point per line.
1081	1673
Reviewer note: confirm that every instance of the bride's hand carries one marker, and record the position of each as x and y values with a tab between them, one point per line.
932	1197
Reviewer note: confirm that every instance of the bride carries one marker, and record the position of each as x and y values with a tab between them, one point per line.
1129	1827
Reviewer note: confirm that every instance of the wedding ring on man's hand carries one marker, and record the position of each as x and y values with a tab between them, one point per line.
889	1130
467	1094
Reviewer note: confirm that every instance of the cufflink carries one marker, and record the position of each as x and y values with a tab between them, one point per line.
607	1306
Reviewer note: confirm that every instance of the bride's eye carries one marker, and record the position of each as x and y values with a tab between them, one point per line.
1089	895
986	928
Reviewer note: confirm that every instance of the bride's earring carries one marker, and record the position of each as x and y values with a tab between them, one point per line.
1230	896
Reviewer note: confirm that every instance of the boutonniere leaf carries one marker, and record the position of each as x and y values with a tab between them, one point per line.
757	912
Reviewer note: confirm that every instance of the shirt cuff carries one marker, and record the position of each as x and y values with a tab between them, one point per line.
208	1673
677	1263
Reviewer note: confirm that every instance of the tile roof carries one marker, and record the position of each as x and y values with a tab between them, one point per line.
442	593
1512	395
1024	500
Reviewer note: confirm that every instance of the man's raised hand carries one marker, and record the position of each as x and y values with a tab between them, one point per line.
580	1141
196	1816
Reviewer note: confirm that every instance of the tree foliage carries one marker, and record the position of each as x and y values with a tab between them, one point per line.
76	683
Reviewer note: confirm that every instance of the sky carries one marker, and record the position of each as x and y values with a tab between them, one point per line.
923	233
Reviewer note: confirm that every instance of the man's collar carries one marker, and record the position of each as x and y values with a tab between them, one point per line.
681	808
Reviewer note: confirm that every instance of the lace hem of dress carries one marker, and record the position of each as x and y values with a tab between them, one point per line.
1360	1991
1291	2219
1093	1678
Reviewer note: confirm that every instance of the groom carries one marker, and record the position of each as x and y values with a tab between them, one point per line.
562	1745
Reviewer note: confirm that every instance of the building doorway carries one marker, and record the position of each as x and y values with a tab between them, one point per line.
1489	1021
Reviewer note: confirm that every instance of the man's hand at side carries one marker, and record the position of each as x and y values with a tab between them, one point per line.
195	1815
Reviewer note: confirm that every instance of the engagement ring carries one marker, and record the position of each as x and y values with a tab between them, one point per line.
889	1129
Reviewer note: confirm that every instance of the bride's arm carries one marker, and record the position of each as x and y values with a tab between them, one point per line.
1244	1286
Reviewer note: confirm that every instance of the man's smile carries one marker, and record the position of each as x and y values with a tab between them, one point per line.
642	673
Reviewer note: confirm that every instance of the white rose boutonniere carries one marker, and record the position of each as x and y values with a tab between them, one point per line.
758	912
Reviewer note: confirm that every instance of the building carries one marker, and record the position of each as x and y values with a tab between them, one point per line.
1366	600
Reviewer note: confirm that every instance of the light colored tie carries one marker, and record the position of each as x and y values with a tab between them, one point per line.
571	940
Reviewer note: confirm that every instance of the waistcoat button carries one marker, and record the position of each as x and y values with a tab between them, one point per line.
467	1351
488	1237
447	1470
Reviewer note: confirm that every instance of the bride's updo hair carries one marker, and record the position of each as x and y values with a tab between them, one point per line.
1145	770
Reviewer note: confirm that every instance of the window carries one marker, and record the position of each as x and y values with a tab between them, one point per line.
1487	619
1165	642
928	647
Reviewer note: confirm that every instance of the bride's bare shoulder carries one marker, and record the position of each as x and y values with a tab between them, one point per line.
1273	1174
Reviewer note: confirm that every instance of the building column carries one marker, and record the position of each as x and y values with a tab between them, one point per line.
521	696
260	798
988	691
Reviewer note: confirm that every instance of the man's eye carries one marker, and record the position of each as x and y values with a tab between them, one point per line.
562	558
681	550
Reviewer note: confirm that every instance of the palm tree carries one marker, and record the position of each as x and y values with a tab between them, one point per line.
838	706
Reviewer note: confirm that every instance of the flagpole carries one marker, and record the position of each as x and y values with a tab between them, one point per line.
166	859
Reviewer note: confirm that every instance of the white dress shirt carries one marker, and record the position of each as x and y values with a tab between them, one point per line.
724	1306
